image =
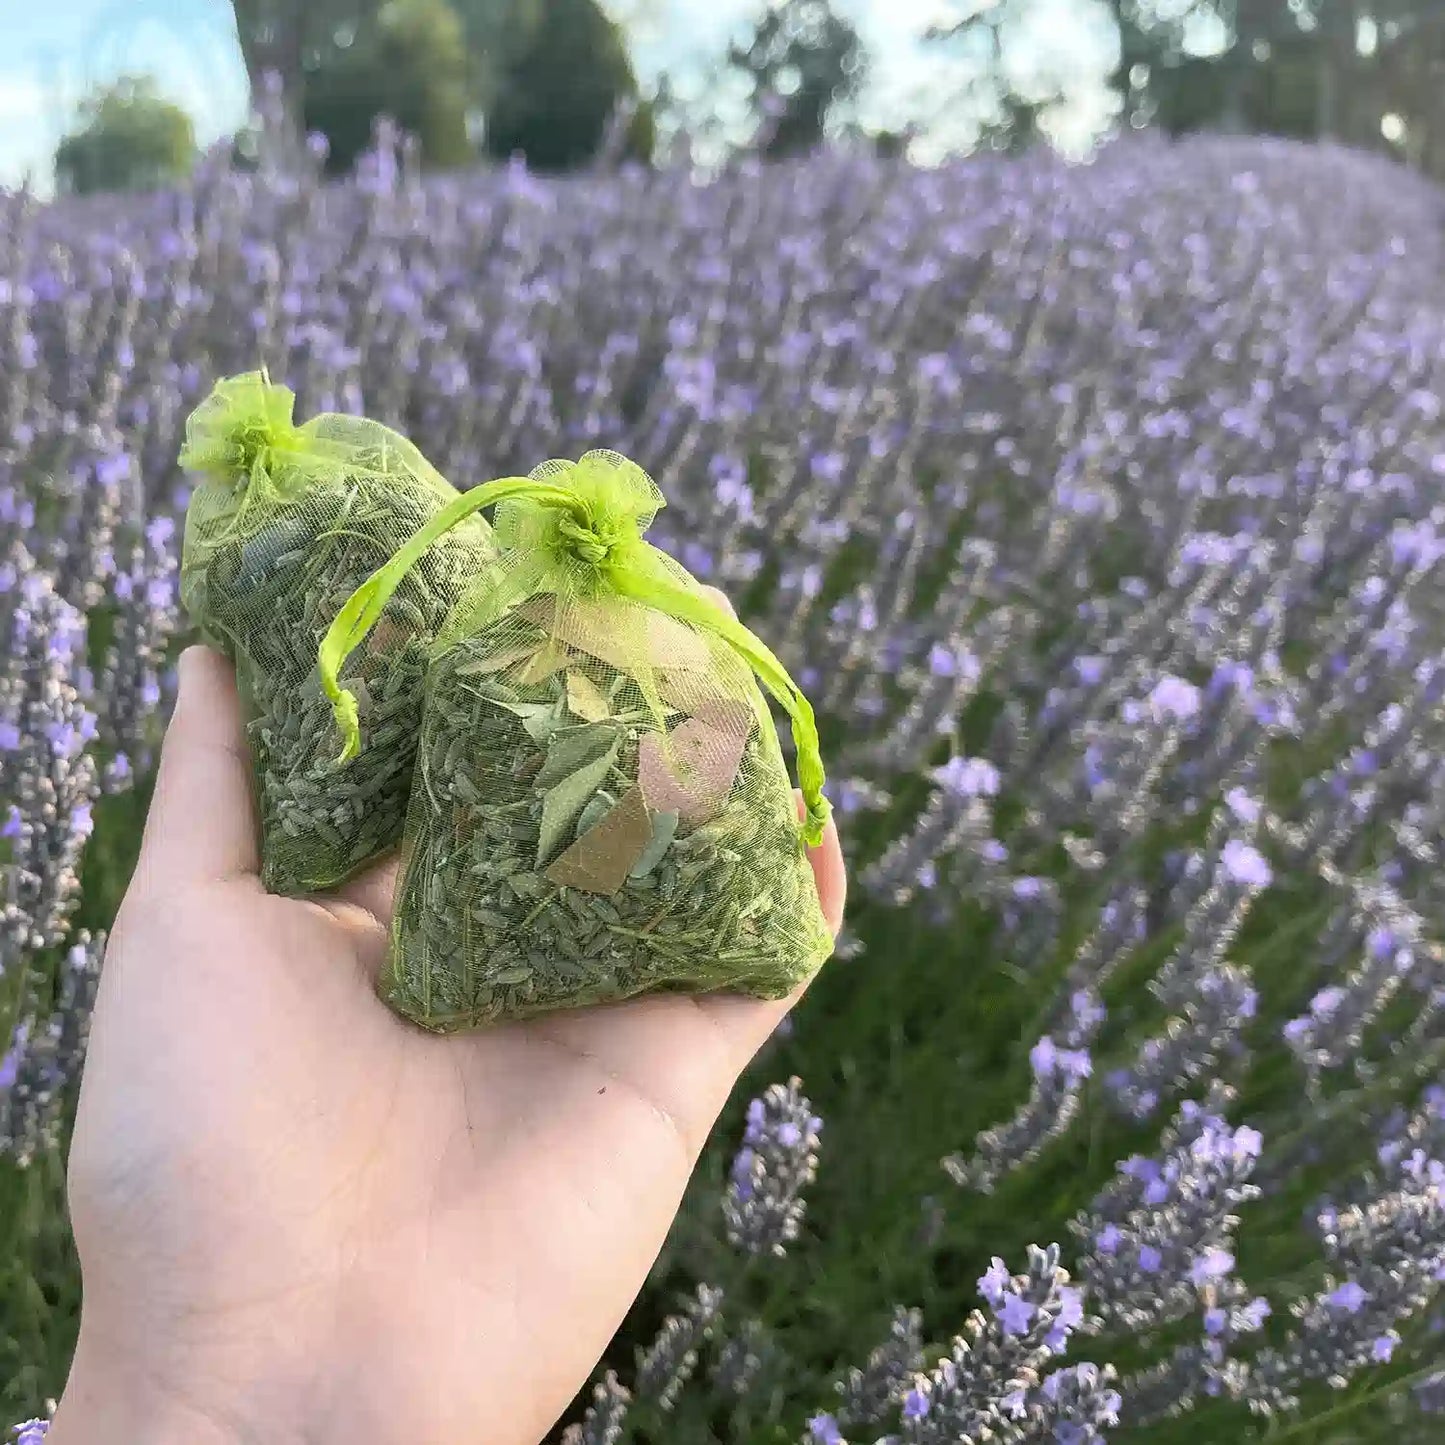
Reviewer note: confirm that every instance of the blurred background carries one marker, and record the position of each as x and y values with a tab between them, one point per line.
113	94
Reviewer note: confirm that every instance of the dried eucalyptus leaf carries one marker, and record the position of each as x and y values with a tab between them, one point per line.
550	658
595	811
497	662
542	725
495	691
539	719
600	860
566	797
264	551
578	749
521	709
585	698
664	830
692	771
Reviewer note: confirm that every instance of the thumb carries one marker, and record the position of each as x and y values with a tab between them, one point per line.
202	825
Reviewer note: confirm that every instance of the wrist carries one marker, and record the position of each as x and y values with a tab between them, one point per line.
111	1400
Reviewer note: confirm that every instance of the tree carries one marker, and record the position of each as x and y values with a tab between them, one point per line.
291	39
498	33
557	96
130	138
411	65
802	60
1331	69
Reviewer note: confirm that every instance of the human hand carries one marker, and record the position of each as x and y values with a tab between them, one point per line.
300	1218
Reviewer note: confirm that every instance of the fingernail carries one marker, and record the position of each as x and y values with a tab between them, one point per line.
723	600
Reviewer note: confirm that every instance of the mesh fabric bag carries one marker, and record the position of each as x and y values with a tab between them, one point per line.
601	807
284	524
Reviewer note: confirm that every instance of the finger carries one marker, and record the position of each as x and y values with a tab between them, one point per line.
202	822
747	1023
364	907
722	600
830	873
684	1054
374	891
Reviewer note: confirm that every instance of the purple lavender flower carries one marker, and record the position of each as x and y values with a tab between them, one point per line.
763	1208
1128	508
969	778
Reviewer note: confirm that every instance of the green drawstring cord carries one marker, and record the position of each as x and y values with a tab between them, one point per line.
688	607
361	611
628	571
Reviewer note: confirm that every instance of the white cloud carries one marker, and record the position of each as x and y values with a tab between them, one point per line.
22	99
27	129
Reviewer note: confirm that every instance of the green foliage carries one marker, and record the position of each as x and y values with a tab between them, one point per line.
412	66
130	138
558	95
641	138
1287	67
1189	95
802	60
295	38
498	32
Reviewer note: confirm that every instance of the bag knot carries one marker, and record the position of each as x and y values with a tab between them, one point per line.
592	542
235	431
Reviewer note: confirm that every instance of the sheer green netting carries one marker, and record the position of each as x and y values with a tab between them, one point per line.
601	807
285	523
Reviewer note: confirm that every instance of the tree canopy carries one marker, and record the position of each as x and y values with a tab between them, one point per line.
129	138
558	94
1368	72
410	64
803	58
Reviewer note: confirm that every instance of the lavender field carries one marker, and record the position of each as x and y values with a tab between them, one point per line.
1099	510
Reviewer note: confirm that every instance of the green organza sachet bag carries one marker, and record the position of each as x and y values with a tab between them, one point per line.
285	523
601	807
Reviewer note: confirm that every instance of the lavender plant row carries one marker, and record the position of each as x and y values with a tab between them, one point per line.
1099	509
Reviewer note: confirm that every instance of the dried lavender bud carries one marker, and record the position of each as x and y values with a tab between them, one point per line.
763	1206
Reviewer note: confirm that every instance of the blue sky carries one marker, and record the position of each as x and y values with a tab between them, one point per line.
53	51
52	54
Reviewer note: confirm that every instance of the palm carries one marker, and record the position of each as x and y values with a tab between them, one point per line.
458	1223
